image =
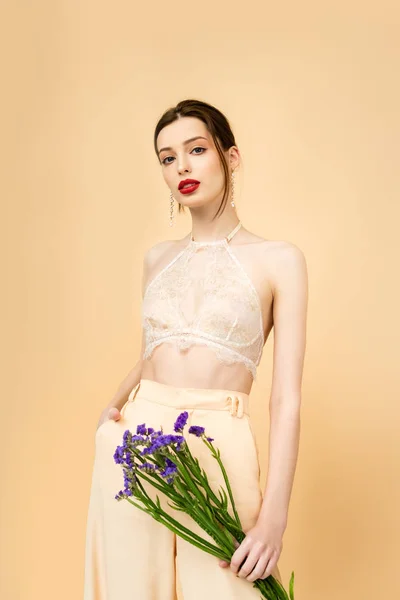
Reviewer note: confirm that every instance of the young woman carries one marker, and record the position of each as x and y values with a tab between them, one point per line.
209	303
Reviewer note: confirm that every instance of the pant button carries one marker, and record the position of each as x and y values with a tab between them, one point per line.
233	410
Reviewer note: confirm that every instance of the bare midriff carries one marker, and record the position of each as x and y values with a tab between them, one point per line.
196	367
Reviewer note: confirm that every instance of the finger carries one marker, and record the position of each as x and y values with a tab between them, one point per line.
224	563
114	413
238	558
246	570
259	569
269	568
257	572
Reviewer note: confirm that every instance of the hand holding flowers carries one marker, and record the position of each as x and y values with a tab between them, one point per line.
258	554
166	462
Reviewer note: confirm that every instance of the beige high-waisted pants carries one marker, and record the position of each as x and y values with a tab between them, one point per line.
128	553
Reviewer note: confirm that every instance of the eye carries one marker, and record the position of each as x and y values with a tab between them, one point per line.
199	148
165	161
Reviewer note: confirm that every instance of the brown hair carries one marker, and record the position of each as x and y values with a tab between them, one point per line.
217	125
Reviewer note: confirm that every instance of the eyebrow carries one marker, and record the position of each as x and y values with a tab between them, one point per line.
198	137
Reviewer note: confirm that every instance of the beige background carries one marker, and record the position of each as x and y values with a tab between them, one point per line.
312	93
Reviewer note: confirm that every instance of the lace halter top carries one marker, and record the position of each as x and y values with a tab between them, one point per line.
204	296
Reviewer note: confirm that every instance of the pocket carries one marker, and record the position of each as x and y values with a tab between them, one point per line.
133	393
131	398
100	427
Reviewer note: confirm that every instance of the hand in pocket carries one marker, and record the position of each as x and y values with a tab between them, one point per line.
113	413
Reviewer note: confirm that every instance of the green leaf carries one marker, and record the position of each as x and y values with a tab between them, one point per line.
224	500
291	584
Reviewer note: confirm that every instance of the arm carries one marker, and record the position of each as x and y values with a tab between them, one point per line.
262	546
290	315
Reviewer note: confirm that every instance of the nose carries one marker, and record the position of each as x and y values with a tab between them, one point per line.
236	409
182	166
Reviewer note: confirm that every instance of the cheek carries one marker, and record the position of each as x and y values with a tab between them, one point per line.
218	179
214	173
167	177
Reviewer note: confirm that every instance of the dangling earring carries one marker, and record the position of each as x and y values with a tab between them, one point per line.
233	189
171	211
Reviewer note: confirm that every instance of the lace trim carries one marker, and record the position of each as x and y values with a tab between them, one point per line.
200	334
225	355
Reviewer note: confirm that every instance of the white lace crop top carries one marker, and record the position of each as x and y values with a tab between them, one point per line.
204	296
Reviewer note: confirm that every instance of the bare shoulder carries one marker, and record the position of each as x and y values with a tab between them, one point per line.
283	251
155	258
280	260
278	252
161	252
286	263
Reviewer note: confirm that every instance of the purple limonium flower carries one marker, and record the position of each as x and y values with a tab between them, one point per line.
157	443
196	430
141	429
170	469
128	460
179	443
126	478
119	455
138	440
210	439
147	467
127	436
154	434
162	441
130	480
181	421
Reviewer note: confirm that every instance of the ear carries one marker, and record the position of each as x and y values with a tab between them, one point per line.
234	157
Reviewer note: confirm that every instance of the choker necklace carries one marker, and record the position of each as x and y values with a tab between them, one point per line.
227	238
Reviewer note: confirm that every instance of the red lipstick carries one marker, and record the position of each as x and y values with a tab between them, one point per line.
187	186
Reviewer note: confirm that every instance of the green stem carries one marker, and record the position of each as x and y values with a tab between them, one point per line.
189	480
214	550
160	515
191	507
207	523
157	507
203	479
217	456
271	588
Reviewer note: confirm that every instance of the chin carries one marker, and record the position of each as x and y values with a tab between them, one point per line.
194	202
197	202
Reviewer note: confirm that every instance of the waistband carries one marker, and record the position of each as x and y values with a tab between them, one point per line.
237	403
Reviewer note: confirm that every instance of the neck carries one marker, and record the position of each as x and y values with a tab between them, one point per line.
217	230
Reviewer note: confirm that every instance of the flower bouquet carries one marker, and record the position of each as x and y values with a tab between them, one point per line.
166	462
